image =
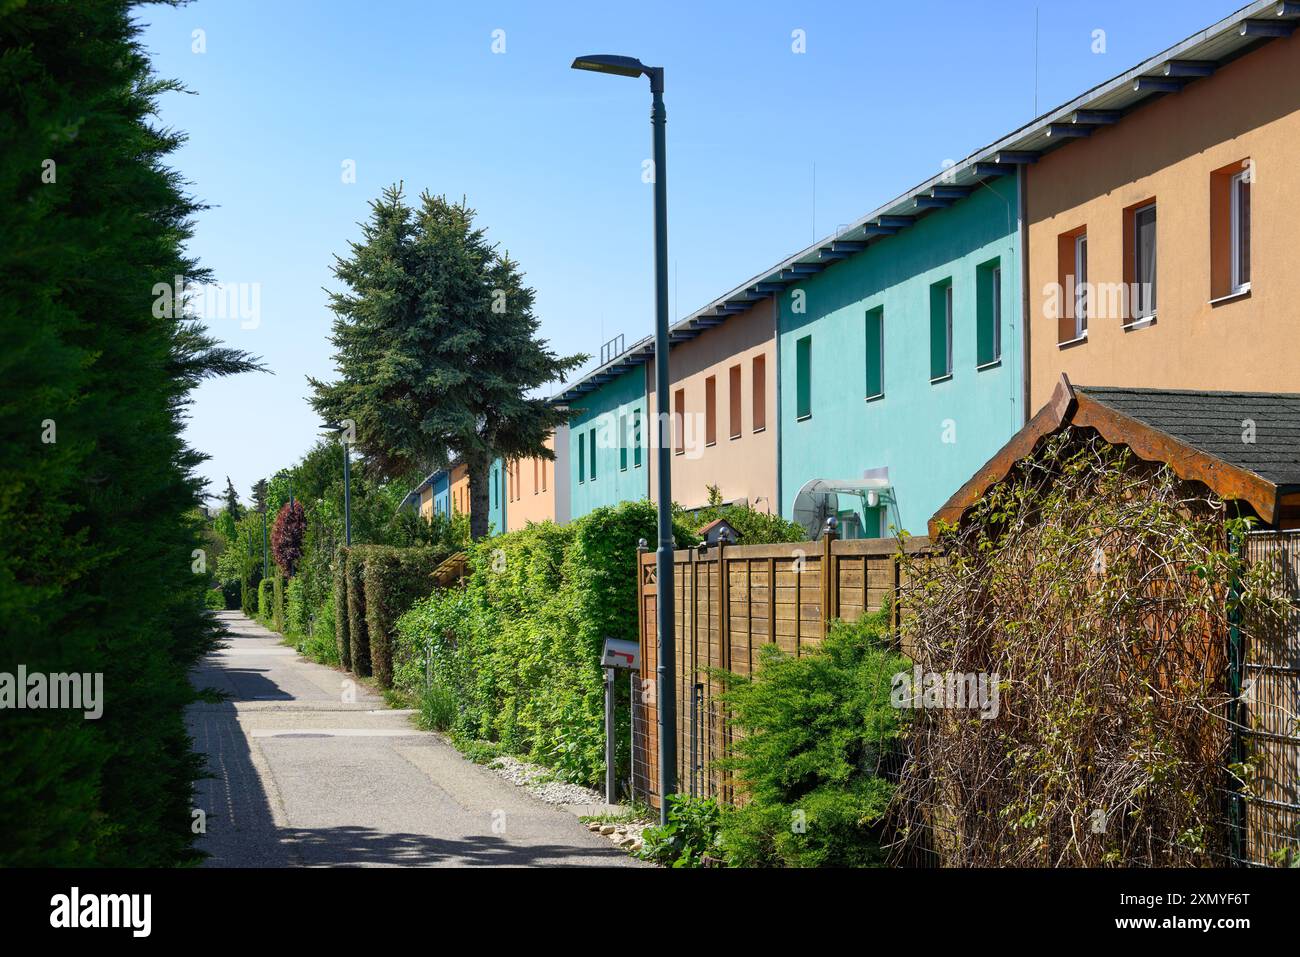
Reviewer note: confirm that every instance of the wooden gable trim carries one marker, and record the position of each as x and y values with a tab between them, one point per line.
1067	407
1049	419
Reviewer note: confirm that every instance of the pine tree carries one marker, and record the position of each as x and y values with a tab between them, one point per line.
233	508
100	500
437	346
259	495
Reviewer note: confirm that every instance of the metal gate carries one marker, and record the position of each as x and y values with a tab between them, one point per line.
1268	727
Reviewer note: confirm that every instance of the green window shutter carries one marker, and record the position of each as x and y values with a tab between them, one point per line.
938	330
803	377
636	438
985	314
875	353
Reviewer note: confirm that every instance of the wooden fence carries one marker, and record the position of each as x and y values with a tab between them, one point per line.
729	601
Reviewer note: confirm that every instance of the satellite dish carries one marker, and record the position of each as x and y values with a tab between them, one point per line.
815	503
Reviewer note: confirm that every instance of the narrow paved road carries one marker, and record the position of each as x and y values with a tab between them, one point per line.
306	773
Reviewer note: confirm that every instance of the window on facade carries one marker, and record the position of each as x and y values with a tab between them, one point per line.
988	313
582	459
1230	203
803	377
1241	231
1140	246
679	421
733	399
636	438
622	442
543	475
1071	304
875	352
711	410
593	455
759	410
941	330
1079	295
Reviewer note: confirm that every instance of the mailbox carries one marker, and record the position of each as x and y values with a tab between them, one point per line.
621	654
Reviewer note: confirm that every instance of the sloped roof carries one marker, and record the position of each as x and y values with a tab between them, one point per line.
1245	446
1219	423
1163	74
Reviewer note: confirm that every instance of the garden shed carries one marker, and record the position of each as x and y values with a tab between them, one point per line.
1127	563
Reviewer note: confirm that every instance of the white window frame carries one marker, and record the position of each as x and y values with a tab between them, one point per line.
1150	313
1081	285
1236	235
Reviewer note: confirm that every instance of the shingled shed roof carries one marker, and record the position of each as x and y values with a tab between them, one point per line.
1202	436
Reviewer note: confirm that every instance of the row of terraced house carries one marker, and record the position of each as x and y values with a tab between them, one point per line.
1142	235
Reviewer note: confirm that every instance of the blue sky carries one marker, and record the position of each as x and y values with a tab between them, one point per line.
287	90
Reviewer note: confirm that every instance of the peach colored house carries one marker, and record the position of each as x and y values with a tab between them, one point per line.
724	412
1162	245
537	489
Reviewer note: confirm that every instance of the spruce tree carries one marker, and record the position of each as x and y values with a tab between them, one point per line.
438	348
233	508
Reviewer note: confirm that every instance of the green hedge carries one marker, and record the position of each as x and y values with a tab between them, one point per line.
518	645
264	599
297	616
340	602
358	640
394	578
277	604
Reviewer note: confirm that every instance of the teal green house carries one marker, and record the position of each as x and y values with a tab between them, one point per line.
609	453
900	359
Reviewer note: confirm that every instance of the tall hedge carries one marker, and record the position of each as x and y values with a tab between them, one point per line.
341	607
518	645
394	579
358	639
98	493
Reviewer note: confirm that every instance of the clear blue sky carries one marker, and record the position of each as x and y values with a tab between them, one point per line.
551	158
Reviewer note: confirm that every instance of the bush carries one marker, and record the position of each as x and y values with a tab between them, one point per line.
277	604
296	617
813	735
692	832
518	644
230	594
358	641
320	644
393	579
213	598
265	600
339	600
437	708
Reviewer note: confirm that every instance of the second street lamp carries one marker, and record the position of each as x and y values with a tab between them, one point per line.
666	695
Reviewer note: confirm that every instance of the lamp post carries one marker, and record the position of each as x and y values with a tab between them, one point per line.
342	433
666	695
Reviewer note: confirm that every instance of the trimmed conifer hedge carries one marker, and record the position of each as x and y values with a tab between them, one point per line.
355	596
394	579
341	606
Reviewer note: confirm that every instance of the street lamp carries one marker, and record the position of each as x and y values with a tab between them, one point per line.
666	671
342	433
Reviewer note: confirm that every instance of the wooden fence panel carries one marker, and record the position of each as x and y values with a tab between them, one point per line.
730	601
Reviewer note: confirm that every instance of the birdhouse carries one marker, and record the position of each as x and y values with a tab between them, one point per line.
719	531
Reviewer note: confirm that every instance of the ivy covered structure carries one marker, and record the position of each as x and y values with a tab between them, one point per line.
1123	573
